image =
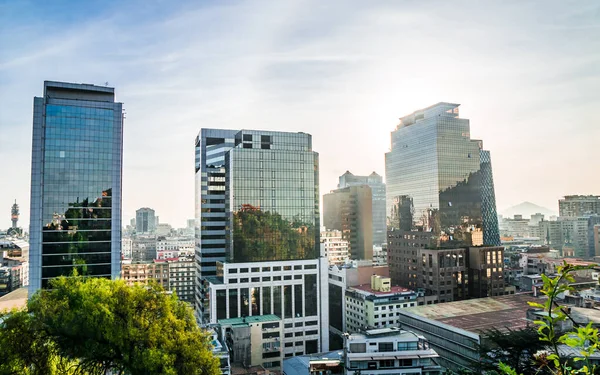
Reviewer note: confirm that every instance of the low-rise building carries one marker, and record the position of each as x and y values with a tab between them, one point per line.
456	329
254	340
390	351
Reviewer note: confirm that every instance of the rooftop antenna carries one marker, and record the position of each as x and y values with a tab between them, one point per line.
106	83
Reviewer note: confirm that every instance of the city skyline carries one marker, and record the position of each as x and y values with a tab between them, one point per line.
329	72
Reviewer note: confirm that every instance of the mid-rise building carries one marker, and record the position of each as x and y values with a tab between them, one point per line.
450	274
376	305
579	205
342	277
390	351
175	275
143	248
174	247
375	182
380	255
145	220
75	183
258	241
350	211
336	248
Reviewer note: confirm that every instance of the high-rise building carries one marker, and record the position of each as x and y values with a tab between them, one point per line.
579	205
375	182
75	183
257	244
14	215
349	210
441	201
446	176
145	220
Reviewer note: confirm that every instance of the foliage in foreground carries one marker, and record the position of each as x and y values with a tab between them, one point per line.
583	339
508	353
93	326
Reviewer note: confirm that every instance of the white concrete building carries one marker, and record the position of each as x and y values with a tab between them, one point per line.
336	248
295	290
390	351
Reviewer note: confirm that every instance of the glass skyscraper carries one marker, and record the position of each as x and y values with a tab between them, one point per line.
442	207
443	175
258	240
75	183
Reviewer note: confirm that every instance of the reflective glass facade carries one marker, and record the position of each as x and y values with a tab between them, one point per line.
258	231
76	183
434	169
257	199
491	234
271	183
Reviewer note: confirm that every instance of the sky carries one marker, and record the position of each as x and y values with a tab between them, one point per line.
526	73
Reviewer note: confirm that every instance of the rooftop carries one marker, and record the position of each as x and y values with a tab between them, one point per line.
250	319
299	365
480	314
382	332
15	299
393	290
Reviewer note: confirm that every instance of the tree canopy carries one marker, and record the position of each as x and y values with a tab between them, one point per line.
99	326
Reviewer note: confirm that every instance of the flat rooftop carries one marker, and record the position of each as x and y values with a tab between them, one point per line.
393	290
480	314
250	319
15	299
382	332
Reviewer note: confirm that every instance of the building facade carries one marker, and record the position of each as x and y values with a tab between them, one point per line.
258	245
350	211
336	248
254	340
578	205
376	305
440	200
145	220
375	182
175	275
390	351
441	176
75	183
451	274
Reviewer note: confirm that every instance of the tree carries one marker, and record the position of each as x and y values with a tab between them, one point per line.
514	348
583	339
95	325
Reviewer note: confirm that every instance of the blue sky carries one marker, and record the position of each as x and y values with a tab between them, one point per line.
526	73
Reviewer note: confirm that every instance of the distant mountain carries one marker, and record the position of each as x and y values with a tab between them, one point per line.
527	209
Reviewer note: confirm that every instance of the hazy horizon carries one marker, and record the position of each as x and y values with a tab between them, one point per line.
525	73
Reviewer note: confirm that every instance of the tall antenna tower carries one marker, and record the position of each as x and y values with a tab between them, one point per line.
14	214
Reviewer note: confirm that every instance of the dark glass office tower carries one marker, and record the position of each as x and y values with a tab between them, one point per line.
491	234
441	203
75	183
434	163
258	240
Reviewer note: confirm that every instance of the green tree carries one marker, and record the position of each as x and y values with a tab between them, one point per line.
95	325
584	339
514	348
